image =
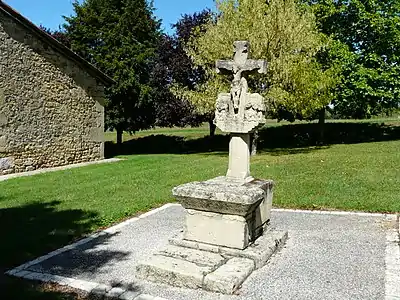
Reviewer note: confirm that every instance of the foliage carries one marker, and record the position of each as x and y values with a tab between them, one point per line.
284	33
174	66
370	66
120	37
170	109
185	72
59	35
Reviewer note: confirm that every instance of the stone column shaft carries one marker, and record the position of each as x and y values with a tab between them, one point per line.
239	156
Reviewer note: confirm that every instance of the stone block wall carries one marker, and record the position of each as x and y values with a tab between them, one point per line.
51	111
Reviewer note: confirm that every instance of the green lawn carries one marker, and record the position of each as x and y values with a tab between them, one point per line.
44	212
203	130
184	132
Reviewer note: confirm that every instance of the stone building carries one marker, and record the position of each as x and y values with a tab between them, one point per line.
51	100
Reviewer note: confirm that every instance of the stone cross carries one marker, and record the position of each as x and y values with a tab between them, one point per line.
239	112
238	66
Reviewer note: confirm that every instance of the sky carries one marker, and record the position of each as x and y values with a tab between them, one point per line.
49	12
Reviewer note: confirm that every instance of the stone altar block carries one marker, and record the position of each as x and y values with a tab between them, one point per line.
223	213
227	234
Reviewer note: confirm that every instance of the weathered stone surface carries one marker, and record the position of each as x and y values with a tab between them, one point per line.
3	119
259	251
239	111
6	165
239	156
129	295
115	292
226	268
217	229
96	134
253	116
148	297
223	212
83	285
262	249
3	143
229	277
222	195
50	108
101	289
262	213
172	271
200	258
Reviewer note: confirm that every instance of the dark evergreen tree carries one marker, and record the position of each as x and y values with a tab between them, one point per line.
120	37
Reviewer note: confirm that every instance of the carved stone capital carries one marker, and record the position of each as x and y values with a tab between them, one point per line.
250	116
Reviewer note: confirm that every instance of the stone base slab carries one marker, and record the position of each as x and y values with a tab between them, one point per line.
214	268
260	251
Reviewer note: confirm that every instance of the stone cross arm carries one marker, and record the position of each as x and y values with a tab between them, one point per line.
248	66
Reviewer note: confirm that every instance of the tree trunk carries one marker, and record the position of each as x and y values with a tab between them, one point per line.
321	125
119	137
254	141
213	127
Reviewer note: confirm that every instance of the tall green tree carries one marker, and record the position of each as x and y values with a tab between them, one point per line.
281	31
120	37
370	33
174	65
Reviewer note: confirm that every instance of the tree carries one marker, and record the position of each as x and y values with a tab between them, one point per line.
170	65
282	32
59	35
120	37
370	32
183	71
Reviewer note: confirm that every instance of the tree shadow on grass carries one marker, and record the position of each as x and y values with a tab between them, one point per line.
169	144
308	135
35	229
278	140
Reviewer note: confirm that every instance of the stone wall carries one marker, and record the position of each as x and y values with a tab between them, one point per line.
51	111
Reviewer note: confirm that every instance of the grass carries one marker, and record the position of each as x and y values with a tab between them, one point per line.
357	170
183	132
203	130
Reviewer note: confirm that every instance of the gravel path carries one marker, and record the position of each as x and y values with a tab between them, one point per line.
327	256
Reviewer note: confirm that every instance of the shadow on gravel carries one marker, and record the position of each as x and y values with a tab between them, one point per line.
36	229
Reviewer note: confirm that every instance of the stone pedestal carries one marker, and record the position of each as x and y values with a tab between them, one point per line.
226	236
225	213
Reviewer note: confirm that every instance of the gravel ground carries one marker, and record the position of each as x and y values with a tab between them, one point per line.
327	256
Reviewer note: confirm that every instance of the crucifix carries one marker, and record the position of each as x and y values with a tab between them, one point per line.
239	112
239	66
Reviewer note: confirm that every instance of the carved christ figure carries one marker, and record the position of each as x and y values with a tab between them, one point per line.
239	89
238	66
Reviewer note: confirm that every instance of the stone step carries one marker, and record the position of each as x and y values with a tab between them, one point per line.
230	276
198	257
173	271
213	268
259	251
